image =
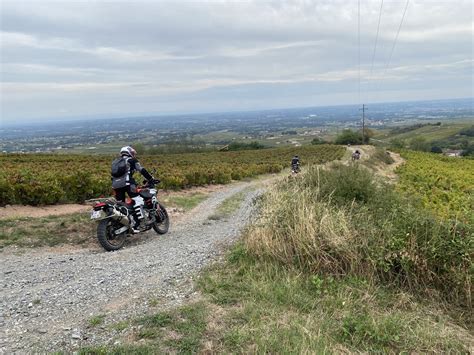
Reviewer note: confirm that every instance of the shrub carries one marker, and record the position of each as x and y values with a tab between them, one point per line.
380	155
341	183
349	137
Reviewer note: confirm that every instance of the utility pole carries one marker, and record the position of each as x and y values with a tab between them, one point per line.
363	109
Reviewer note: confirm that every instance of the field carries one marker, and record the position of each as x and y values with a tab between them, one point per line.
444	184
40	179
445	135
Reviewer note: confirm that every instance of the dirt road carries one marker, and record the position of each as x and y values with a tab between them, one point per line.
48	299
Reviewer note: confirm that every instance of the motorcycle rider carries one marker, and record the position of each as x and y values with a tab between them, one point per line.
356	155
123	182
295	163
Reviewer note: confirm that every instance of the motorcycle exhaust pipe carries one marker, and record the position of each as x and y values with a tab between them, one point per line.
119	216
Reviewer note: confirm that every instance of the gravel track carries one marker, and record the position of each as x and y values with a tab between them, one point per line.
47	299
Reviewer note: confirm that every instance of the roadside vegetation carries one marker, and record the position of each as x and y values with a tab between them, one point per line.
229	205
184	202
49	231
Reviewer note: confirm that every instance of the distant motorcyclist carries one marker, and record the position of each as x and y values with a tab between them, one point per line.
356	155
295	164
123	182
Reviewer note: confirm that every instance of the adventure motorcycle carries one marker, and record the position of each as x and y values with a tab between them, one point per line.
295	169
115	217
355	156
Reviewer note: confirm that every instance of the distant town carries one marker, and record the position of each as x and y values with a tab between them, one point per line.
295	126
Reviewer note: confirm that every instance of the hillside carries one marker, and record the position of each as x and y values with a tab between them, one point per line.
333	260
444	134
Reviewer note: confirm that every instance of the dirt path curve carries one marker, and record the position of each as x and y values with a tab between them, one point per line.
385	170
48	298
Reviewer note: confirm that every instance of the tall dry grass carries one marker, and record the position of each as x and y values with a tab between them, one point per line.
341	221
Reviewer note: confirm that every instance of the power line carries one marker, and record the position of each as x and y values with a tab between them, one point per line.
363	109
387	64
358	40
375	47
396	37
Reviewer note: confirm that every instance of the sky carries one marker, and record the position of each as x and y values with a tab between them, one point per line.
77	59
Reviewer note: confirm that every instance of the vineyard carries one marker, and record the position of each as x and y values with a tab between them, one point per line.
41	179
444	184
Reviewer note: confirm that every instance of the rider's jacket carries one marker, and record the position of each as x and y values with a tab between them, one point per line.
127	180
136	166
295	161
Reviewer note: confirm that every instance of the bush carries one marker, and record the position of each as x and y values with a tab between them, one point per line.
342	183
234	146
317	141
349	137
419	144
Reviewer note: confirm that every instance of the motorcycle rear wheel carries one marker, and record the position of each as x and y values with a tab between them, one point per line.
106	235
163	226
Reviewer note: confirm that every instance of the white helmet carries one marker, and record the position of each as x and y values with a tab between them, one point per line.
128	151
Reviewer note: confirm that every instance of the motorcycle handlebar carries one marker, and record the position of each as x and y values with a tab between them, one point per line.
151	183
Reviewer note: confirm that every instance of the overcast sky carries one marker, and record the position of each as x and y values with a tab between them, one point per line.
62	59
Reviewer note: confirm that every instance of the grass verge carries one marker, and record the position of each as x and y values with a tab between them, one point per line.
185	202
47	231
261	306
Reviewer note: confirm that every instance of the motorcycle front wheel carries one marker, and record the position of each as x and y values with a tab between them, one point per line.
162	223
107	237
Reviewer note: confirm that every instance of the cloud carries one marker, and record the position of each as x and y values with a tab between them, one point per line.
169	53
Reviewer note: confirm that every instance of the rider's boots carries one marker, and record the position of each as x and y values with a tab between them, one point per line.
138	213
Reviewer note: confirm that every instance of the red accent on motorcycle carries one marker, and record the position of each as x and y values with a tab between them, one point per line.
99	206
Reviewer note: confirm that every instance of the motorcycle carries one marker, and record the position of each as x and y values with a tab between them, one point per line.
295	169
114	217
355	156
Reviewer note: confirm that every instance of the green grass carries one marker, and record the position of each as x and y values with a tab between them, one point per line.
119	326
97	320
229	205
179	330
47	231
185	202
265	307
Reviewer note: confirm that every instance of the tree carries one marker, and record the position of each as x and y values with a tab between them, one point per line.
317	141
436	149
139	148
397	143
420	144
348	136
368	133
